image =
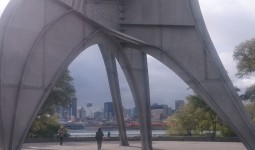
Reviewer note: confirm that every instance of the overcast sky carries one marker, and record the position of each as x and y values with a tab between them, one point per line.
229	22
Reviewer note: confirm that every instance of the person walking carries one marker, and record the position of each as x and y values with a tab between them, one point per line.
99	138
61	133
108	135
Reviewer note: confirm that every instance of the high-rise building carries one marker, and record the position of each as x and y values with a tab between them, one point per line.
135	113
98	115
165	110
63	113
68	113
159	112
170	111
90	112
109	112
82	113
89	105
74	107
178	104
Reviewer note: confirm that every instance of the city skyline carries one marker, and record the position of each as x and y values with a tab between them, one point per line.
224	21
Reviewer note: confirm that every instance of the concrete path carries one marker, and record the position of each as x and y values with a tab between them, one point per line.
157	145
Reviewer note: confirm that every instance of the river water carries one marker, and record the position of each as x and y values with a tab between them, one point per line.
114	133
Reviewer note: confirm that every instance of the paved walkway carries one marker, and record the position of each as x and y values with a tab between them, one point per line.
157	145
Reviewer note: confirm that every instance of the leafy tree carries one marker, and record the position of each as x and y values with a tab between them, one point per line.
46	123
208	119
250	107
44	126
244	54
61	95
249	94
185	120
175	127
196	117
225	130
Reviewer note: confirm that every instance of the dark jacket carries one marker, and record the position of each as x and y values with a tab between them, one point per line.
99	135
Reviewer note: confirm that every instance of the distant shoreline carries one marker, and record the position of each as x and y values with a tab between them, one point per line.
114	132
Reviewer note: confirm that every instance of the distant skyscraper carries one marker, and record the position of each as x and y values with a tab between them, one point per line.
165	110
109	112
98	115
170	111
135	113
159	111
90	112
82	113
89	105
74	107
63	112
68	113
178	104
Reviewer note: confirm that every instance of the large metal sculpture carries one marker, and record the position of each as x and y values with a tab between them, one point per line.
40	38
